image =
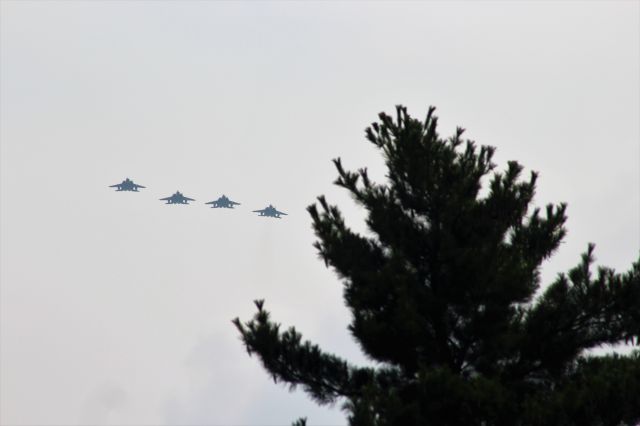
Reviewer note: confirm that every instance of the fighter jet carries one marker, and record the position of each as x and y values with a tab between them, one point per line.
127	185
177	198
270	211
223	201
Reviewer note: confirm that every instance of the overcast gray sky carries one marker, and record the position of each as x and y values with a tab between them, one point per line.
115	308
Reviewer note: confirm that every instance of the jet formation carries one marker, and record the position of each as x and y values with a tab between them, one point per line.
179	198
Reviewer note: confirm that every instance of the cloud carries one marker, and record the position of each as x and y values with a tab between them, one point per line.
103	403
215	389
226	386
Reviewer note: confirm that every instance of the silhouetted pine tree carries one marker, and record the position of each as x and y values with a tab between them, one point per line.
443	297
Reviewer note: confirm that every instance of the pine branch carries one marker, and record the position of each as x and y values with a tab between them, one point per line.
325	377
577	313
596	391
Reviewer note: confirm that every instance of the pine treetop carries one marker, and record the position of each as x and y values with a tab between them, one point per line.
442	297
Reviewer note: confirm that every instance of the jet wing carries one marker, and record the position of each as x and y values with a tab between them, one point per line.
263	211
212	202
188	199
281	213
117	185
166	198
233	203
139	186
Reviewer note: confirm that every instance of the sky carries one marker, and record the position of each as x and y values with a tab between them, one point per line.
116	309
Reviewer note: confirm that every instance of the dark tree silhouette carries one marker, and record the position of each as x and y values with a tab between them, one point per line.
443	297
